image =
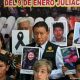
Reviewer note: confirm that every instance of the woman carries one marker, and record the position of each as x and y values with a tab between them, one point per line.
30	58
6	53
4	67
42	69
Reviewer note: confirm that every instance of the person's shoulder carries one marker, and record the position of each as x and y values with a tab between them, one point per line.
32	44
51	44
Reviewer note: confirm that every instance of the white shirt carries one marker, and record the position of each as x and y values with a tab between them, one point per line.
42	48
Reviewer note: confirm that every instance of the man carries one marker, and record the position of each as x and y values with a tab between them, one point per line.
58	31
77	41
48	50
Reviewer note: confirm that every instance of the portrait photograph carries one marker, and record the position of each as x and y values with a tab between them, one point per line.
70	56
58	33
76	37
29	56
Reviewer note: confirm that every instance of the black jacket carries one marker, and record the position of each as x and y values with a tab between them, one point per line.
49	52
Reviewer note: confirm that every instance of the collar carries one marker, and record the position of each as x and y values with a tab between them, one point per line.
43	45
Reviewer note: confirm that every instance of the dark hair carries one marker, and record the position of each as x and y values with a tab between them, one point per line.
58	24
31	50
4	59
41	24
71	31
28	51
2	41
77	62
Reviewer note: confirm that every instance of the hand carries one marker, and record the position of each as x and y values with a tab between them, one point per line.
18	66
72	77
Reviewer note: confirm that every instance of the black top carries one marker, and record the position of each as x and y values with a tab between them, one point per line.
8	78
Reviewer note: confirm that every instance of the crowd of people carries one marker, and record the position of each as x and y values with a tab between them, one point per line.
48	51
51	65
31	11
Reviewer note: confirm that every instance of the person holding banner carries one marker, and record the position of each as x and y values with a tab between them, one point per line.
25	24
48	50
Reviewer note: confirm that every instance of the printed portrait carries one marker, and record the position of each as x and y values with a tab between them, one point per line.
70	56
59	33
30	55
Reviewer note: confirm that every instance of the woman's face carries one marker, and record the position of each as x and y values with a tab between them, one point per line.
31	55
41	73
3	69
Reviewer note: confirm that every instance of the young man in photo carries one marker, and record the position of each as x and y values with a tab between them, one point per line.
58	31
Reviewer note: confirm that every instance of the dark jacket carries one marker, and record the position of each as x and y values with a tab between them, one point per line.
49	52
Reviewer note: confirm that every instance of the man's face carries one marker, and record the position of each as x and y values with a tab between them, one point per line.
40	35
58	33
24	25
41	73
